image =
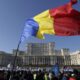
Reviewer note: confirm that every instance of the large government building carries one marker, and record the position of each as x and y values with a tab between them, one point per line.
41	55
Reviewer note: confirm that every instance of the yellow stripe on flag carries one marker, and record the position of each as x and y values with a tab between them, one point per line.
45	24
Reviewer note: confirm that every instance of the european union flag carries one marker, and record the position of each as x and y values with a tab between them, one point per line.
55	69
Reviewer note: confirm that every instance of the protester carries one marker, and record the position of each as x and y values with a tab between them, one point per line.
26	74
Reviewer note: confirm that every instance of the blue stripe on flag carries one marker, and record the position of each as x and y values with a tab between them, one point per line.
30	29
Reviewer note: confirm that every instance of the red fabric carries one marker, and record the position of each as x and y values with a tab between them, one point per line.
73	1
72	78
66	20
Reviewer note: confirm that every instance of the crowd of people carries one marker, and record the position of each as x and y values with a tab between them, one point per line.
38	75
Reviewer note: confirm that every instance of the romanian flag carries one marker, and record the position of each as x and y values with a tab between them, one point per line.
61	21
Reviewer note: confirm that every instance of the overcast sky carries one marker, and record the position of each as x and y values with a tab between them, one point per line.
13	14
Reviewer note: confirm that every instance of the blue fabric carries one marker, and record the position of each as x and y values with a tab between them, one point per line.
55	69
30	29
64	78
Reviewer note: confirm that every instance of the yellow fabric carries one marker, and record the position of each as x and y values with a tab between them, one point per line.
34	76
45	24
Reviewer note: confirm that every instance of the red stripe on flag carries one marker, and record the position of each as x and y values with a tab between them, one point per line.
66	20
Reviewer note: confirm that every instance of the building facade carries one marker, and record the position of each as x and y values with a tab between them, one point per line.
8	58
45	54
40	48
40	55
42	60
75	58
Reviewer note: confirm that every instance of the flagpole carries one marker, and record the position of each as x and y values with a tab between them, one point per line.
15	57
14	60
